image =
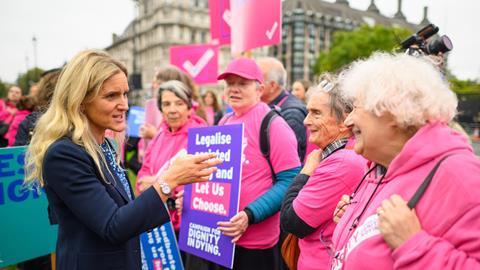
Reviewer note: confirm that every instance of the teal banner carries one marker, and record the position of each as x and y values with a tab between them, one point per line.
25	231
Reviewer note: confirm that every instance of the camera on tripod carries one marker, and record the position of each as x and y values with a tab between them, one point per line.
418	43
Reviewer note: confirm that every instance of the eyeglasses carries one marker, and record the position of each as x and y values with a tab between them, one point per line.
357	219
326	86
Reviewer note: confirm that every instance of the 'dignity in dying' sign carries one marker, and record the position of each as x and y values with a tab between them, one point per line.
216	200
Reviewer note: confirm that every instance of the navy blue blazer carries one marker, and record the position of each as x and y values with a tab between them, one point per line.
99	226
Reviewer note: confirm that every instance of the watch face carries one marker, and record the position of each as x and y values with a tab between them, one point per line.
166	188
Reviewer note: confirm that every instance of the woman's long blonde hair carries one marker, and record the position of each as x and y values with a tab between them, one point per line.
80	81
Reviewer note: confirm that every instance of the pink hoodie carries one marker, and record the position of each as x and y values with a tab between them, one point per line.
163	147
449	210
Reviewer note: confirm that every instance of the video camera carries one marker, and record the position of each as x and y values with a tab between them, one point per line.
417	44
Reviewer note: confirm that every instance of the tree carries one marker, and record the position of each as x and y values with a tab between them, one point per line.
25	80
3	89
464	87
360	43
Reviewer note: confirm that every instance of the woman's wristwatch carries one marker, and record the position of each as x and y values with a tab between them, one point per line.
165	188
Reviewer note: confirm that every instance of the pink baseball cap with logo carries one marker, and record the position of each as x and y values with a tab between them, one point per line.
245	68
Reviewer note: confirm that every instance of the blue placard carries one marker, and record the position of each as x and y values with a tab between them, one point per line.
160	250
136	118
207	203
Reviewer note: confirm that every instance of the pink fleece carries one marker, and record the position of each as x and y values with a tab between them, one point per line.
12	129
448	211
338	174
162	148
256	175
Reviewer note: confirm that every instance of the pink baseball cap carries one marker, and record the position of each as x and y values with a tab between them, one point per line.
245	68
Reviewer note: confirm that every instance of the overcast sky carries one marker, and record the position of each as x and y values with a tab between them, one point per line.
64	27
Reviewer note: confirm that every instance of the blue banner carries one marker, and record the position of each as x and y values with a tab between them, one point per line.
25	231
136	118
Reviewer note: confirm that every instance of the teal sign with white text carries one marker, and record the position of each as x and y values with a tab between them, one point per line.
25	231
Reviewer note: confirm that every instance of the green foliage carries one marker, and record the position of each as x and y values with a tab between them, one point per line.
3	89
25	80
362	42
465	87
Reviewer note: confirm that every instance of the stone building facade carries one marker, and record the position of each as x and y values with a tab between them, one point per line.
308	27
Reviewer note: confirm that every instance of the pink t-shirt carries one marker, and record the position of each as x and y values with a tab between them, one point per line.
165	145
338	174
210	115
256	175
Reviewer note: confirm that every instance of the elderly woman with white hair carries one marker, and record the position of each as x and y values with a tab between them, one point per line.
418	205
329	172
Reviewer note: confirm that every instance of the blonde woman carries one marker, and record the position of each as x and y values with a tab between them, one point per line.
89	193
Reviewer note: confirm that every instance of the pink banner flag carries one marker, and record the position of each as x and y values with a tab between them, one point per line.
220	21
198	61
255	23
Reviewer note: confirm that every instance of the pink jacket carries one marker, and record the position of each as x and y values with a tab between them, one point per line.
449	210
163	147
12	129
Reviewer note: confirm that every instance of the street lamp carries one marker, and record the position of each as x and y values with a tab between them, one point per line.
34	41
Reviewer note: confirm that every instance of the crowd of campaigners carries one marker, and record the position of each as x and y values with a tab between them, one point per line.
363	169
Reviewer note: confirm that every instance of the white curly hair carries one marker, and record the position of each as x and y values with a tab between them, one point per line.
411	89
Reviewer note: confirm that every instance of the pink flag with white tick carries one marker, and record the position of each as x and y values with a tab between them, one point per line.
255	23
220	21
198	61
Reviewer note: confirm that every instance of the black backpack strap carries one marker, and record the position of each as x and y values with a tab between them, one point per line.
265	137
423	187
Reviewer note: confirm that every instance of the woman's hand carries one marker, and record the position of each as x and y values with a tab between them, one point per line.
397	223
312	162
235	228
179	202
190	169
148	131
341	208
145	182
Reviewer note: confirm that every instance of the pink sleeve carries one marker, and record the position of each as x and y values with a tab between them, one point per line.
12	130
3	110
316	201
283	146
425	251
